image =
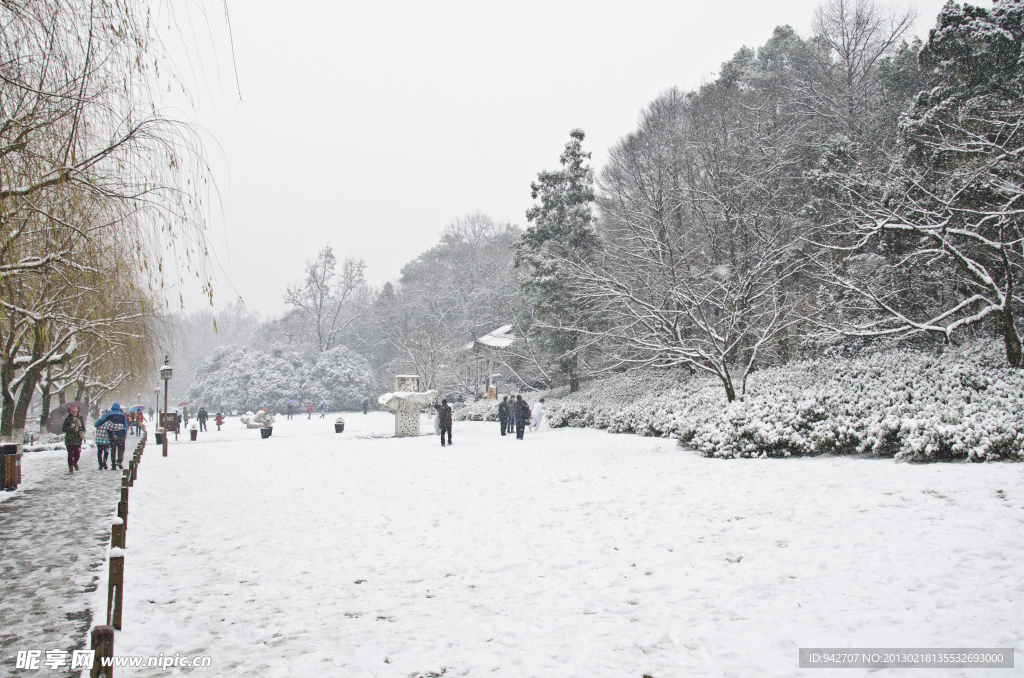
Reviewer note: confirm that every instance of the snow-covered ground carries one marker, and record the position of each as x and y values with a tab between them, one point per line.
571	553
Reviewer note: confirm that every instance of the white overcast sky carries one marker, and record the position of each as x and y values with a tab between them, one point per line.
369	126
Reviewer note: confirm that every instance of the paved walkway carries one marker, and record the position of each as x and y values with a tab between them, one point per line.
54	534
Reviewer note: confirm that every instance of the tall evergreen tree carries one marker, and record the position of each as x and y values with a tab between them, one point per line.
561	229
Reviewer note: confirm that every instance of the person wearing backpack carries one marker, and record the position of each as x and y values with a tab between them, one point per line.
522	410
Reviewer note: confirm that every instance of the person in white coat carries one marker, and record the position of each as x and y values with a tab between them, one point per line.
538	412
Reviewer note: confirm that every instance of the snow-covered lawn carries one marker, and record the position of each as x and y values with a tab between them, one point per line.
571	553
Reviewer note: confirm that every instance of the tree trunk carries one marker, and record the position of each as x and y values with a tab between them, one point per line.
44	401
1011	341
730	389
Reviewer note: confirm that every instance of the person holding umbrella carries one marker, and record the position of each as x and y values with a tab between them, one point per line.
74	433
323	408
117	430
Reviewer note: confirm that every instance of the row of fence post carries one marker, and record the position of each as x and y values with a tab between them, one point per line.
102	638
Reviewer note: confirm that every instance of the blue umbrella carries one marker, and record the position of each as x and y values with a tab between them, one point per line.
292	401
324	402
264	405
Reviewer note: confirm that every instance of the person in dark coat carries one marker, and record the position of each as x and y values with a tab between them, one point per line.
522	412
203	416
366	404
291	411
445	421
503	414
117	429
74	434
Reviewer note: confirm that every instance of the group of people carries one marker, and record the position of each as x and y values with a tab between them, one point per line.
322	407
111	431
516	414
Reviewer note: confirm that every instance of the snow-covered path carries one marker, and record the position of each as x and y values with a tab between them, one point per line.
54	535
572	553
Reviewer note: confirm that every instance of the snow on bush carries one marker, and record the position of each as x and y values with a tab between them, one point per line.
481	410
913	406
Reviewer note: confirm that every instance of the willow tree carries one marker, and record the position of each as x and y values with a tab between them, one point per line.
94	180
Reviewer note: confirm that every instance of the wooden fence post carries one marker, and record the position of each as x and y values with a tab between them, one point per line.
122	513
115	588
118	534
102	646
124	494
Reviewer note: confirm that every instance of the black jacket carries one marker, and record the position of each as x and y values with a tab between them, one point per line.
503	410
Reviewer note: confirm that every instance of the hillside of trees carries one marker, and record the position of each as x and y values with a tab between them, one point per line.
821	193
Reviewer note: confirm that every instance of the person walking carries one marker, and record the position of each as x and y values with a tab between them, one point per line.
323	409
445	421
291	411
219	420
503	414
366	404
74	433
538	412
102	445
203	416
522	415
117	430
309	411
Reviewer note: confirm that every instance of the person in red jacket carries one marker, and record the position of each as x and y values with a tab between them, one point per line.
219	420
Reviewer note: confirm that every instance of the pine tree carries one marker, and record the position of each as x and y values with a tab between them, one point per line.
561	231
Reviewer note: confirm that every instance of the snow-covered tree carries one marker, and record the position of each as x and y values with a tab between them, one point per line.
324	295
935	242
341	376
561	236
245	379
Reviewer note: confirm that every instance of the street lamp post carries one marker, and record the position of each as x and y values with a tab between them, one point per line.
157	392
165	374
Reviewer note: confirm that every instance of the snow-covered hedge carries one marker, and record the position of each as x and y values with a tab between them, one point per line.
919	406
246	378
481	410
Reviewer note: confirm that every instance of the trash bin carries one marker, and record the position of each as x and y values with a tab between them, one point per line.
265	432
339	427
10	458
159	438
193	433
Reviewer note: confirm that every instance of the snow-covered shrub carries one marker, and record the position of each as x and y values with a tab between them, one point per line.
634	402
915	406
341	376
481	410
962	403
